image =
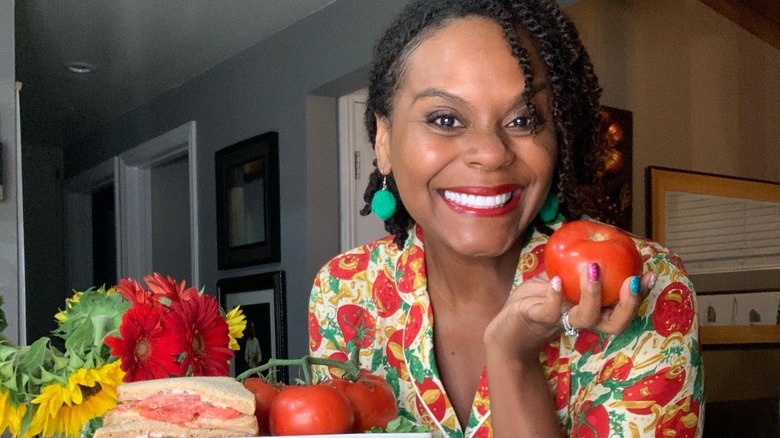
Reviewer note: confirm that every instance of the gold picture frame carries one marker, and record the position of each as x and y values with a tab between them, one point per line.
745	284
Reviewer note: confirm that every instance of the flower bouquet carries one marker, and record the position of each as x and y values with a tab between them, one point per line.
122	334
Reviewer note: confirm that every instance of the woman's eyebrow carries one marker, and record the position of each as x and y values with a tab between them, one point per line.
438	92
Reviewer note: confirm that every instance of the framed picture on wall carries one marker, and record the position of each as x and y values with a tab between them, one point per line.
611	195
247	176
727	232
262	298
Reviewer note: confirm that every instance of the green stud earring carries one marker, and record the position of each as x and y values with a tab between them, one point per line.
549	211
383	203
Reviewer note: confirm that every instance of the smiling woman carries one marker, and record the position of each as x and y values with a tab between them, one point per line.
484	116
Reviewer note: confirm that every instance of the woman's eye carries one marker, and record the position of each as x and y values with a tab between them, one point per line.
521	122
444	121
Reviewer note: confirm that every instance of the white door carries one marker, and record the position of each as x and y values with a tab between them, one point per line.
356	158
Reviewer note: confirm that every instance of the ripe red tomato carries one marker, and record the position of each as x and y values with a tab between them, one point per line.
356	323
681	421
674	310
311	410
265	393
591	421
576	244
657	389
372	400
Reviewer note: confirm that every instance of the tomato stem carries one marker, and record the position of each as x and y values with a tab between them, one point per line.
351	367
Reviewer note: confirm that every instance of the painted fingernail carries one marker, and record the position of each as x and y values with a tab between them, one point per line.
556	284
594	272
651	281
636	285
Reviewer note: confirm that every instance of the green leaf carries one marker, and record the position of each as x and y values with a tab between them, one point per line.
6	351
401	425
377	359
46	378
601	399
7	369
10	384
416	368
34	355
27	419
82	335
60	362
632	334
695	355
75	362
580	379
392	379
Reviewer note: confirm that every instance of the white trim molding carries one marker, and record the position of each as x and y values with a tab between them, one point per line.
134	199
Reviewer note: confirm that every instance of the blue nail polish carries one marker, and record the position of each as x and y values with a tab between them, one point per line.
636	285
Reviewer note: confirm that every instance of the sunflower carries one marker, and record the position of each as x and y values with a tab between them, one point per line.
10	415
202	334
88	393
147	348
101	309
236	322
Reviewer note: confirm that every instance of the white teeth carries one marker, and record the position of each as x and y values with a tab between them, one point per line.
475	201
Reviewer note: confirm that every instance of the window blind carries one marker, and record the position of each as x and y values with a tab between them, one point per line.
722	234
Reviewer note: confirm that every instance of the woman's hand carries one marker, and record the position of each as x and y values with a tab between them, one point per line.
532	313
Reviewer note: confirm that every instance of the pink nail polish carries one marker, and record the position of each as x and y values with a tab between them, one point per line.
594	272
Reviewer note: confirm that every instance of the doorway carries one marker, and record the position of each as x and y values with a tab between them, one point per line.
153	224
356	162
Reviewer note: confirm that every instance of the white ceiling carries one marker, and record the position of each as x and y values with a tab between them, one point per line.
141	48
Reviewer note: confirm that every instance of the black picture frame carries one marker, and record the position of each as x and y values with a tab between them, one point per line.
248	217
262	298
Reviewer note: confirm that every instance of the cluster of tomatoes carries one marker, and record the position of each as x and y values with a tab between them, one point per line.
329	407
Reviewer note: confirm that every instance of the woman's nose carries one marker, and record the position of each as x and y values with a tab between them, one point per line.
488	150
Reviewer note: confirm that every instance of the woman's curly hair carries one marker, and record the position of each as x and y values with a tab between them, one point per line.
573	86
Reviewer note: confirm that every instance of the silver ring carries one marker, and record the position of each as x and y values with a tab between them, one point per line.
567	328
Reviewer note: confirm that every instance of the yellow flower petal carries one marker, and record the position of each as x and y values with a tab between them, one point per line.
236	321
10	415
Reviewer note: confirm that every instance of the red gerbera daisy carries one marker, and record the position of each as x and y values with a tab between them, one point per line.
133	292
147	348
167	287
202	334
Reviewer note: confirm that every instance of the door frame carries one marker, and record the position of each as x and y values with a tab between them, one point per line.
134	191
130	172
78	201
349	161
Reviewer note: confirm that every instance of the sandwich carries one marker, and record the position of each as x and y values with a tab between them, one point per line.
181	407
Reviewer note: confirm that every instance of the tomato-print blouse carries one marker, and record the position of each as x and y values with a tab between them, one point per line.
647	381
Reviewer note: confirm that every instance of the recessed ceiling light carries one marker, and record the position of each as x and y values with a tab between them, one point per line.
80	67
